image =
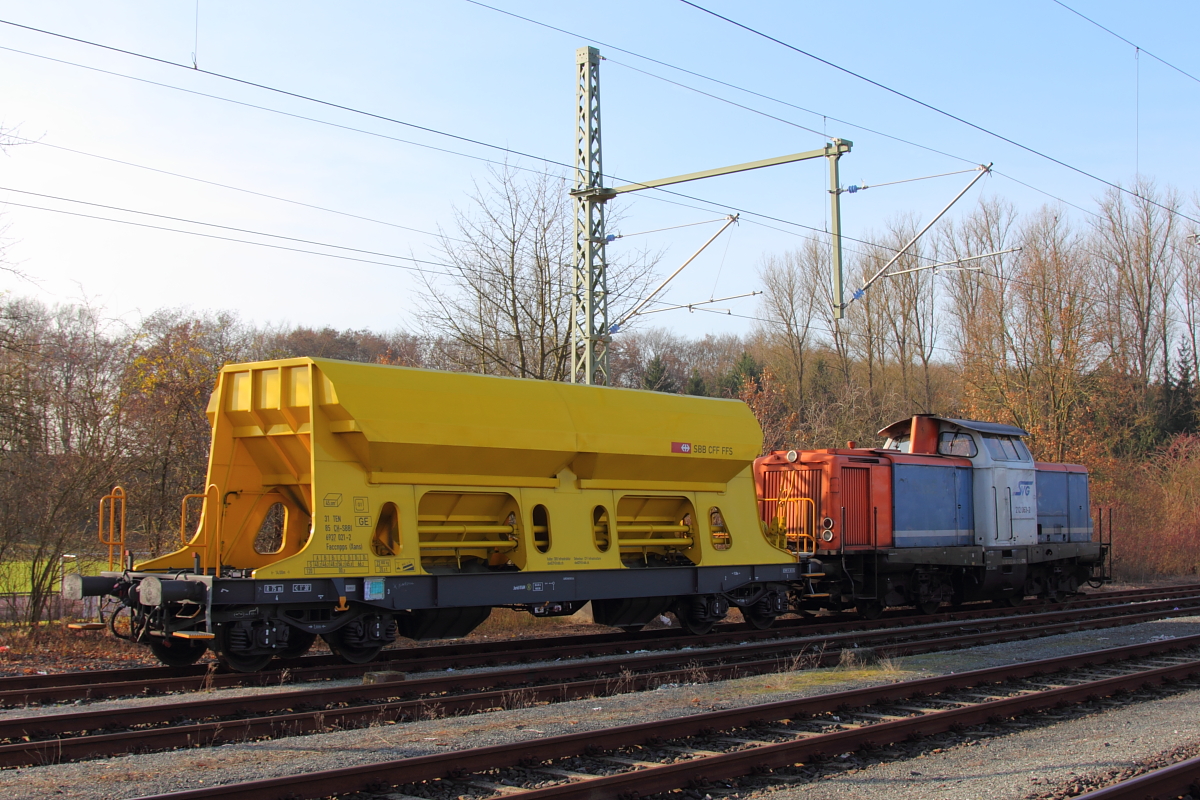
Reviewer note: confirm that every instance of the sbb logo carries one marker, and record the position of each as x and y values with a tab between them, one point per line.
681	447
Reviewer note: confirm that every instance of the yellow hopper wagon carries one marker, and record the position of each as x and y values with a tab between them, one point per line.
361	502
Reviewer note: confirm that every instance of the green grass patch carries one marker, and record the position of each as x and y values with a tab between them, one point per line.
15	575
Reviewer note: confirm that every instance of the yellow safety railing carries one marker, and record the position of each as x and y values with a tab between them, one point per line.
113	534
464	531
800	538
628	529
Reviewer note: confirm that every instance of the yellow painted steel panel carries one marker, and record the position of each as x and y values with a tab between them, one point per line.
336	442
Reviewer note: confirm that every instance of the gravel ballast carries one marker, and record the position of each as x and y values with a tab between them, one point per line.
1004	767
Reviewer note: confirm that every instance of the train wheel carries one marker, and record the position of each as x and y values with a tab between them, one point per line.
758	620
929	607
298	643
693	627
237	661
351	653
1016	601
177	652
870	609
696	616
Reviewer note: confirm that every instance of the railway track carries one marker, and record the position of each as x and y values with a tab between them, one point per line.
93	685
698	750
1167	783
209	721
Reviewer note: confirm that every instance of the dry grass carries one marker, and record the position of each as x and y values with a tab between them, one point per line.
506	622
1156	505
50	647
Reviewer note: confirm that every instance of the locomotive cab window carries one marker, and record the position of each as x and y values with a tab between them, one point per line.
1005	449
900	443
957	443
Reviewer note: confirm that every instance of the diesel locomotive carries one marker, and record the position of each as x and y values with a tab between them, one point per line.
361	503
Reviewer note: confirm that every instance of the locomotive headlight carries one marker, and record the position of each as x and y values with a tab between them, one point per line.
792	455
827	523
827	536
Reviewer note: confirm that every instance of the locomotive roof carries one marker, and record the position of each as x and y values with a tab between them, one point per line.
902	426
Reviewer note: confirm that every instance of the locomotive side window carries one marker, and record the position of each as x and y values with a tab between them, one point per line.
1003	449
900	443
386	539
600	531
721	539
956	443
541	529
269	539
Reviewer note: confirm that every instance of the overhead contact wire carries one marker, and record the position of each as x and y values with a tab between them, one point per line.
284	92
451	135
754	93
711	79
933	108
1126	41
233	188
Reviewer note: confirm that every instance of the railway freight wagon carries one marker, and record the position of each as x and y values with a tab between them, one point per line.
948	510
361	502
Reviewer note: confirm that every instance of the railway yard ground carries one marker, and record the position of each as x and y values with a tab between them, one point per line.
1054	753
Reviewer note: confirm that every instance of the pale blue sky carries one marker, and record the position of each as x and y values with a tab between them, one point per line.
1027	69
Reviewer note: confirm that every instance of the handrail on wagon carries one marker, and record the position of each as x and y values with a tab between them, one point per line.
183	512
802	536
113	534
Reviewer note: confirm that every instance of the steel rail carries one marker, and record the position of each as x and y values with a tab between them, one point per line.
813	635
370	704
1043	623
374	777
1165	783
514	649
24	690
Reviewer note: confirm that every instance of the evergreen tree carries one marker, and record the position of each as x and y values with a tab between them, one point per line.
657	379
695	385
744	376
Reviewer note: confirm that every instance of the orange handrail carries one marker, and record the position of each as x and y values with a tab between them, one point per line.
112	535
804	536
184	538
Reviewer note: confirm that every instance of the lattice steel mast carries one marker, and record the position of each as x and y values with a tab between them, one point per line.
589	318
590	332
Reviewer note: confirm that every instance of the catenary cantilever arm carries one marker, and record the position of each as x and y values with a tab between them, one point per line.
983	170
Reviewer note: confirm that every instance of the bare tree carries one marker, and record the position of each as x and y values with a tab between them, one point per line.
790	301
980	303
507	308
60	437
1187	255
1135	243
173	362
1052	347
865	326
